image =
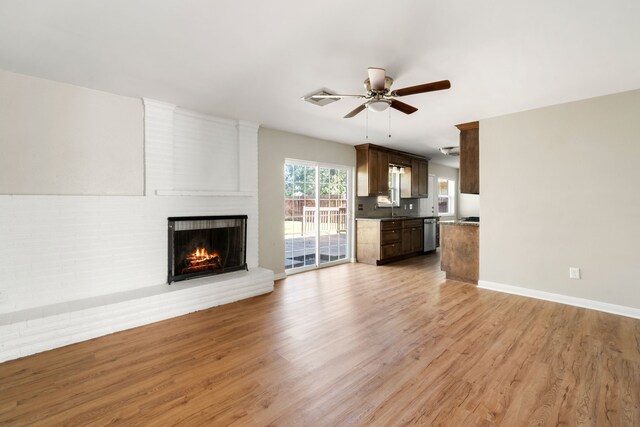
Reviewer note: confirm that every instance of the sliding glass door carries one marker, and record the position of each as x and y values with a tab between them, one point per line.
316	214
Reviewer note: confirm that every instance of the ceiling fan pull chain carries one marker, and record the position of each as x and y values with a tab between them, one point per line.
367	132
389	109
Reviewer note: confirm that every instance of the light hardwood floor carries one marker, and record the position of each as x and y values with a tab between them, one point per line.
353	344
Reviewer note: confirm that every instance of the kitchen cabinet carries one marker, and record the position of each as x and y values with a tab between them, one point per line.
381	241
399	159
390	239
412	236
372	169
469	157
419	178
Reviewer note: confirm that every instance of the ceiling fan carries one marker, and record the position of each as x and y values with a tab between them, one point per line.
379	95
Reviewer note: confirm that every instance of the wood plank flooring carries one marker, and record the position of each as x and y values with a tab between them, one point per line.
347	345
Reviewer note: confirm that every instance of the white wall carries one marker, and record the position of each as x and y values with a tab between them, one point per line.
559	190
62	139
59	249
273	148
469	205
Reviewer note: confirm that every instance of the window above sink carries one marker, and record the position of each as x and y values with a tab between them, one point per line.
393	198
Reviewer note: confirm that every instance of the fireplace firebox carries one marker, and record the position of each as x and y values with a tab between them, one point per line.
206	245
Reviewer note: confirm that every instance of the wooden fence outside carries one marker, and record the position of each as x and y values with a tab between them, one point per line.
332	220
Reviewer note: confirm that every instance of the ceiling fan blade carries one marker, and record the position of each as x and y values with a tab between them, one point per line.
427	87
332	96
376	78
356	111
401	106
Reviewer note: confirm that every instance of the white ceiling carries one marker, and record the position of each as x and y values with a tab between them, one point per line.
254	60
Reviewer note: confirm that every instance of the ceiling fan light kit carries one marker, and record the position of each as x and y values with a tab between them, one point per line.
379	95
378	105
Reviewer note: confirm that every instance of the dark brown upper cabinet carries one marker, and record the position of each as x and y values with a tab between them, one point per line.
372	169
469	157
419	178
399	159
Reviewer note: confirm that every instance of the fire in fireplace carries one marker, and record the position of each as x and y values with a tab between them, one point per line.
201	260
206	245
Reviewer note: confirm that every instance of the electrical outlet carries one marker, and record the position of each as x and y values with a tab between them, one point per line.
410	206
574	273
4	296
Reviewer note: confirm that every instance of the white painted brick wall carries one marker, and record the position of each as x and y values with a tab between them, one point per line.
64	249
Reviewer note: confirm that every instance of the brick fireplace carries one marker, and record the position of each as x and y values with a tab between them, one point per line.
195	166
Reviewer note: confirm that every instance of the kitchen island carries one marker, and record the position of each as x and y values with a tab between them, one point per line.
460	250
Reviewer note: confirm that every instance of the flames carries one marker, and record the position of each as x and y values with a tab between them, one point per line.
201	255
201	260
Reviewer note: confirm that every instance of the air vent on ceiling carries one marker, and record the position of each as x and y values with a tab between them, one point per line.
320	101
450	151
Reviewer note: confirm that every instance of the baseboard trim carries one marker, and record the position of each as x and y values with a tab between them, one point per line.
620	310
279	276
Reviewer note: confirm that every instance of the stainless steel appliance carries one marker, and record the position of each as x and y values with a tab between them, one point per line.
430	225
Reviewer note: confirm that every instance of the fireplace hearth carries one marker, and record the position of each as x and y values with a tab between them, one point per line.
206	245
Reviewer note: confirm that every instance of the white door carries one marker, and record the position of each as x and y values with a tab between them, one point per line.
427	206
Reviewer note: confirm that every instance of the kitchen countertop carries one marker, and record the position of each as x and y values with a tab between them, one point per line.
465	223
398	218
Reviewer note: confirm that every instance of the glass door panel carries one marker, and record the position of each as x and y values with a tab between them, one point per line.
333	214
299	206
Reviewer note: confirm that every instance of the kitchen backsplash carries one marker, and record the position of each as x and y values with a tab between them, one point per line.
370	209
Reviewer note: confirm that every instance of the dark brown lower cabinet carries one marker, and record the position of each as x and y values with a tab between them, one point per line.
390	250
412	236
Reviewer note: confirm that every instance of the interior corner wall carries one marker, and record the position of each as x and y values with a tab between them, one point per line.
60	139
273	148
558	188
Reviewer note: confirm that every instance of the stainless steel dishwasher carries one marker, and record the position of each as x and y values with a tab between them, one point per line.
430	225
